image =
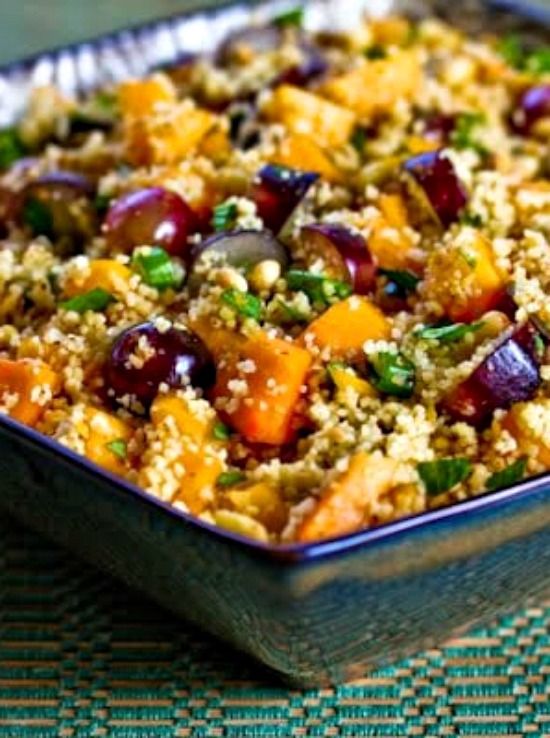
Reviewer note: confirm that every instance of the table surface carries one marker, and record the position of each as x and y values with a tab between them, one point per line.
81	656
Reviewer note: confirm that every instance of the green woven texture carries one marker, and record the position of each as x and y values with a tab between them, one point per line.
82	656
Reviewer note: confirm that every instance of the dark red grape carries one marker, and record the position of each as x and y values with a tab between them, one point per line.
532	106
344	252
278	191
143	357
436	176
150	217
510	373
241	249
439	126
59	205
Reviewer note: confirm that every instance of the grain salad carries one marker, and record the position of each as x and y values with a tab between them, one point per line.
297	288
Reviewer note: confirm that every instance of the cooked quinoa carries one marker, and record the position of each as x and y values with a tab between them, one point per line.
297	289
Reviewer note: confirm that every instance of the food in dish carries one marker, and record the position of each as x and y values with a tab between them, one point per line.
298	289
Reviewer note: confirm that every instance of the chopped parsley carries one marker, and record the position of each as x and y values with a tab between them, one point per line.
448	333
11	148
293	17
249	306
393	374
230	478
157	268
320	289
118	447
407	281
375	52
507	476
224	216
95	300
221	431
442	475
465	133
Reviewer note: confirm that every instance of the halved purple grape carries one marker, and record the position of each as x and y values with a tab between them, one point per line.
313	66
439	126
277	192
435	174
344	252
510	373
59	205
532	107
144	357
241	249
150	217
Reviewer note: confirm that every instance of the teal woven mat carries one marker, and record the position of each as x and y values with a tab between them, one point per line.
82	656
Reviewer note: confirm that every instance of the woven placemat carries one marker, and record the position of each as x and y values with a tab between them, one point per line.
82	656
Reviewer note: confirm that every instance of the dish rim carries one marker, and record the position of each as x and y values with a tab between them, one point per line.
287	554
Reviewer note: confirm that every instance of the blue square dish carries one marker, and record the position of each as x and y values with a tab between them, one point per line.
316	613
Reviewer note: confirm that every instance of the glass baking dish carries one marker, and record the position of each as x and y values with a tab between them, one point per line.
316	613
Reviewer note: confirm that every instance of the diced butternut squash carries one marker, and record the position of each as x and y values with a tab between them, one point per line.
202	469
391	30
308	114
374	87
141	97
389	241
106	437
529	424
259	402
189	423
26	388
262	501
346	380
348	503
106	274
166	136
346	325
301	152
462	277
265	410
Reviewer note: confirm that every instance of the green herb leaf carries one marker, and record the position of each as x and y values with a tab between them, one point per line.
221	432
448	333
11	148
471	219
319	289
102	203
441	475
118	447
538	62
393	374
249	306
224	216
375	52
464	135
511	50
156	268
507	476
229	478
408	281
292	17
38	217
359	139
95	300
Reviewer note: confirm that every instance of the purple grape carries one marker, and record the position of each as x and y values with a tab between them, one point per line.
509	374
173	357
533	105
150	217
344	253
278	191
437	177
